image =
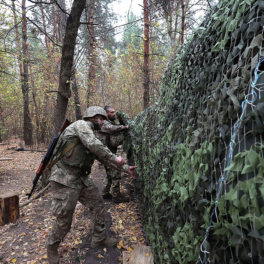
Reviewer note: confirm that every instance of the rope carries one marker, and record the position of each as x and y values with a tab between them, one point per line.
230	154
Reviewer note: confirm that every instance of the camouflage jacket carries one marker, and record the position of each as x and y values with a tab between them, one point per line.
111	134
111	127
73	169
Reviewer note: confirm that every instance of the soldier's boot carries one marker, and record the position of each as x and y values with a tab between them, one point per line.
120	199
107	196
52	253
107	242
106	190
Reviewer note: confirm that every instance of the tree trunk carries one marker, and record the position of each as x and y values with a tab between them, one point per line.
63	14
25	88
64	92
183	21
1	123
18	45
55	26
76	97
173	38
45	31
45	108
146	54
18	42
34	97
91	48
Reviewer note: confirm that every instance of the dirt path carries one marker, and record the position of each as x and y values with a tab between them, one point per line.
23	242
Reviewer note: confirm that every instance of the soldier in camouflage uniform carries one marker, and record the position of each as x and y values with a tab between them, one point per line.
112	135
70	180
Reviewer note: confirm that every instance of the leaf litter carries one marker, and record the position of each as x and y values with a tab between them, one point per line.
24	241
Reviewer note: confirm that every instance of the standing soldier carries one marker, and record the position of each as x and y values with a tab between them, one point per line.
76	150
112	135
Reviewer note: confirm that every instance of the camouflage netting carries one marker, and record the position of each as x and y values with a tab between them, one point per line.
199	149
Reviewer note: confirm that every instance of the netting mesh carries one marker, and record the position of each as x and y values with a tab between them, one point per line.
199	149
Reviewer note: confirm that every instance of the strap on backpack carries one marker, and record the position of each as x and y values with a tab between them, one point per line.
73	144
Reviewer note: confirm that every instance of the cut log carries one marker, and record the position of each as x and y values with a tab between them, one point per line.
126	257
9	208
2	159
140	255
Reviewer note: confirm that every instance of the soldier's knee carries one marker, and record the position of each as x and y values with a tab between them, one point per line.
62	205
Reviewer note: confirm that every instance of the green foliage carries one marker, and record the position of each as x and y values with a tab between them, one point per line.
132	33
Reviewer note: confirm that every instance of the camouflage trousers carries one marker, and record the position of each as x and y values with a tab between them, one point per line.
63	205
112	179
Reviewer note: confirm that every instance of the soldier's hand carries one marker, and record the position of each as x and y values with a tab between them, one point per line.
120	161
132	172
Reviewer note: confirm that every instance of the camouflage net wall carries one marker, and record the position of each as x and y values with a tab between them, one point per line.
199	149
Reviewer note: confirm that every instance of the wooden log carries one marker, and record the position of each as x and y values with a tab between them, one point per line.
9	208
126	257
140	255
3	159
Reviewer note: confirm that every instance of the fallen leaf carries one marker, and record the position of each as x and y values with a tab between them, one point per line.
120	244
100	256
130	249
105	250
45	257
13	260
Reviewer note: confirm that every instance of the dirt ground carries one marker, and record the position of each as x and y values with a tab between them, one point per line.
23	241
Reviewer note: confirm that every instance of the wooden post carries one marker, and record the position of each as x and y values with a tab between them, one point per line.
9	208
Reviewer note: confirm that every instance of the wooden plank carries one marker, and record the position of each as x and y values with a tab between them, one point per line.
9	208
141	255
2	159
126	257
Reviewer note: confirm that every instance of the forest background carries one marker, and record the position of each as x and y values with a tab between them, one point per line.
113	64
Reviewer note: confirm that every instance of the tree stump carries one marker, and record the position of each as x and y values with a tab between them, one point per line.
9	208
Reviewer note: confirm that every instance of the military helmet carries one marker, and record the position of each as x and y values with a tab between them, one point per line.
93	111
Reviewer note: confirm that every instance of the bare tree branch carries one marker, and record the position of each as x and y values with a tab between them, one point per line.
40	29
